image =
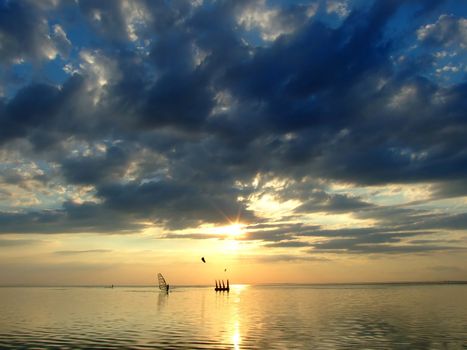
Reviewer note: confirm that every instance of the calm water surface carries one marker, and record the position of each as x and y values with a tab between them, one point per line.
249	317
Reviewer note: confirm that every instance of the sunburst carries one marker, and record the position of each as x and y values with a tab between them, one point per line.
233	230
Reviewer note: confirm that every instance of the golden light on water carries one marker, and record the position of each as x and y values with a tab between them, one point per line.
238	288
236	339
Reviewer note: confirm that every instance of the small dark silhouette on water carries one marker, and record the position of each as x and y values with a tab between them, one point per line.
221	287
203	260
163	286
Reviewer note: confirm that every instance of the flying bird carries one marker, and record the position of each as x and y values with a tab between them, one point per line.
202	259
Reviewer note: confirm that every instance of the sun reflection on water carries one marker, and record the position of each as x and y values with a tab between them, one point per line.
265	317
236	290
236	339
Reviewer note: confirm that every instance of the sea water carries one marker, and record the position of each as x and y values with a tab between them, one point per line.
248	317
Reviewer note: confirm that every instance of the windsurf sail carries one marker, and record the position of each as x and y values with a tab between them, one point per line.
162	283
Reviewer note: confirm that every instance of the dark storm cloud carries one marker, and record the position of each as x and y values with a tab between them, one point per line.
449	189
25	33
72	218
46	115
198	106
32	108
176	204
396	232
396	216
380	240
181	101
391	237
322	201
362	237
446	222
401	219
95	169
320	84
295	79
415	152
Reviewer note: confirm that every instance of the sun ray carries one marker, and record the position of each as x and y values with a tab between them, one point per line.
231	231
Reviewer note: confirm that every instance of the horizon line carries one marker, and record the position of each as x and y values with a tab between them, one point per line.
18	285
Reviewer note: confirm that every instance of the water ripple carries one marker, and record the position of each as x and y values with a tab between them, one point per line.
302	317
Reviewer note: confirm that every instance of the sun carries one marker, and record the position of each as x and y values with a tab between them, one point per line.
234	230
231	231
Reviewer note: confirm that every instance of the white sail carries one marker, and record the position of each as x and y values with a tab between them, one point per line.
162	283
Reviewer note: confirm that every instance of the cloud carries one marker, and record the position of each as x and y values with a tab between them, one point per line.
273	22
338	7
382	249
449	189
288	244
379	244
277	258
4	194
447	269
78	252
321	201
107	18
95	169
178	204
18	242
448	222
194	236
167	113
447	30
25	34
46	115
277	232
71	218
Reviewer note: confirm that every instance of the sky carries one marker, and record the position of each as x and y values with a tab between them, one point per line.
284	141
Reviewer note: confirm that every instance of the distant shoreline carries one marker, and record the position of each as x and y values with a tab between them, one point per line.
409	283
